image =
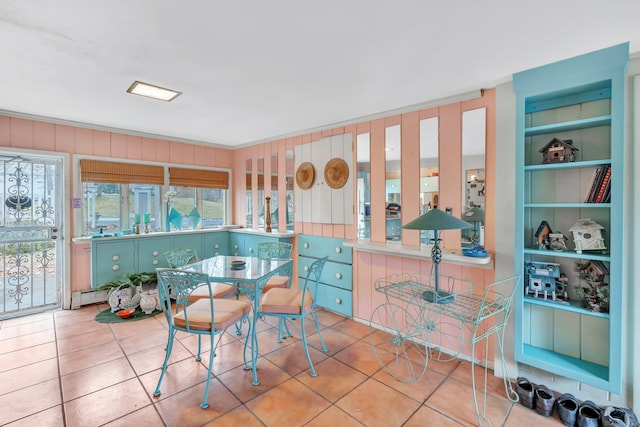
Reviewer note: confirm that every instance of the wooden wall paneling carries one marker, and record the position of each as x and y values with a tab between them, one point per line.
84	143
149	147
22	133
65	142
298	196
348	146
410	164
378	181
44	136
320	192
593	350
134	149
163	150
490	171
336	195
565	338
5	131
378	271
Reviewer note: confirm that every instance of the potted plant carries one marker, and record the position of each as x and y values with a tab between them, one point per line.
125	291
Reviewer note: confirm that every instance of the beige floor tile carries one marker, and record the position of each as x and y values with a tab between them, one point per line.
183	409
30	400
51	417
21	329
87	381
27	356
418	390
335	379
179	376
376	404
88	357
293	359
360	356
106	405
146	417
83	341
426	416
334	417
275	408
27	341
335	340
78	328
455	399
239	380
29	375
525	417
149	360
144	341
239	416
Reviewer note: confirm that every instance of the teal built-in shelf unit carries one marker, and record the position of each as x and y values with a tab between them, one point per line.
579	99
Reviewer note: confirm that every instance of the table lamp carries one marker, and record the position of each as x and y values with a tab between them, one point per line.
475	216
437	220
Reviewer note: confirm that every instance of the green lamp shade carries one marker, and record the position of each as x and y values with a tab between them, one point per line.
435	219
474	214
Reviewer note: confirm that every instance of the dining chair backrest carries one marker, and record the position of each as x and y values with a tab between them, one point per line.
179	257
311	280
179	284
274	250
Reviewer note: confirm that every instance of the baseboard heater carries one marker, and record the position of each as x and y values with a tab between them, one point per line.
80	298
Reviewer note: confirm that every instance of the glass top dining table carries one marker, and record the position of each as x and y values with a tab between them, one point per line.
249	278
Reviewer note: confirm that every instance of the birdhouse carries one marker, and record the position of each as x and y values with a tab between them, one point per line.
558	151
542	235
587	236
593	271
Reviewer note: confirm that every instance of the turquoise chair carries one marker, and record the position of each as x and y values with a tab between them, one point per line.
206	316
277	250
291	303
179	257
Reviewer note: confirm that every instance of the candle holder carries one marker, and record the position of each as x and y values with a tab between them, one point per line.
267	214
146	227
136	227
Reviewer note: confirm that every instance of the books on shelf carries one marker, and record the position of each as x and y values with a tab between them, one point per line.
600	186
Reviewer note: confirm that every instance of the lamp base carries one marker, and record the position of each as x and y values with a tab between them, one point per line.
439	297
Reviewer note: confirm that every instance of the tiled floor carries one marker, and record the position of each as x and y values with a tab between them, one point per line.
63	368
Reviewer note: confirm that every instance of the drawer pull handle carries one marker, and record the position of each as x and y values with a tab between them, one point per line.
306	245
306	268
338	276
250	249
338	301
216	246
116	267
154	253
115	257
338	250
155	262
217	253
235	246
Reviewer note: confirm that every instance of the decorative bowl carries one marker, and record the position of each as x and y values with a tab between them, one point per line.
126	313
237	264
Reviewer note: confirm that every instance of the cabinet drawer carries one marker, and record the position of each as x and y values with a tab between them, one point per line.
335	299
110	260
151	253
334	274
319	247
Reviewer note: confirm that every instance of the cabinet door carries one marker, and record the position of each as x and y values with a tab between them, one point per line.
215	243
189	240
236	244
110	260
151	253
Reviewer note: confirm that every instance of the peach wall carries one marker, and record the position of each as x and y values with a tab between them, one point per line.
36	135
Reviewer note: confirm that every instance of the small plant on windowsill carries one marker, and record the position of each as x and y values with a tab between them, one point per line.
124	292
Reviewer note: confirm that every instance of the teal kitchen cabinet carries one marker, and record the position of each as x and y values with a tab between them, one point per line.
335	290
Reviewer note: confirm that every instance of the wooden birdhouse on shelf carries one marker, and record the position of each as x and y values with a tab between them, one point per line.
593	271
587	236
558	151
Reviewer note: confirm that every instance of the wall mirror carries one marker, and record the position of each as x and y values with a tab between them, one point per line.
429	195
393	209
363	147
274	192
248	198
289	186
474	124
260	190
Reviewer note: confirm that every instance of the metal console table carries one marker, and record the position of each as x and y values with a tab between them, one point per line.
421	327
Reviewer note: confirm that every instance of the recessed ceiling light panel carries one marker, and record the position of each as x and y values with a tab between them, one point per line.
152	91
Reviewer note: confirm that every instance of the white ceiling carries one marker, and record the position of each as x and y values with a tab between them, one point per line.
254	70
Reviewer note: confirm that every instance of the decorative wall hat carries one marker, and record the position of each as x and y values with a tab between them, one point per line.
336	173
305	175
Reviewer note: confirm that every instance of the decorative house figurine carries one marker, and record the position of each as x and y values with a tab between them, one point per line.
546	282
596	296
587	236
557	242
558	151
542	235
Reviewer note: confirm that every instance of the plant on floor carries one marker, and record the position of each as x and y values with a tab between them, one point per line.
124	292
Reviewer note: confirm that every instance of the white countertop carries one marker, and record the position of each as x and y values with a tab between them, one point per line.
423	252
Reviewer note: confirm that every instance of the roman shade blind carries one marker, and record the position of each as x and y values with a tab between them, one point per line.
121	173
198	178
